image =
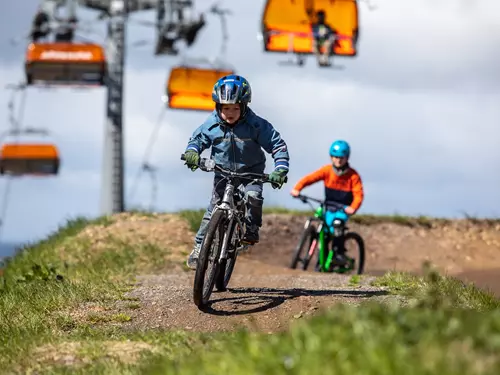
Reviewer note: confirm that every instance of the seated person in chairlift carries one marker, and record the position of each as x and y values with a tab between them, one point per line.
191	31
323	36
187	31
40	27
343	187
66	32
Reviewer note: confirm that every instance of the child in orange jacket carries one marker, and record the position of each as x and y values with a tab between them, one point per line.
343	186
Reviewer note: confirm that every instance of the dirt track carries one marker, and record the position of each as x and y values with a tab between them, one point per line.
266	295
466	249
258	301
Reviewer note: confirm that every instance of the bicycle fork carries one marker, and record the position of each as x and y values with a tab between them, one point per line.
228	206
228	235
322	245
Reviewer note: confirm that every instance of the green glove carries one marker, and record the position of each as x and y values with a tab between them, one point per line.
192	159
278	177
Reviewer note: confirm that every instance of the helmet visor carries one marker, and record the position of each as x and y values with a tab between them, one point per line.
229	93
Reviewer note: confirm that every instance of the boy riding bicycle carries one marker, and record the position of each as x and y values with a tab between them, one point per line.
343	187
236	136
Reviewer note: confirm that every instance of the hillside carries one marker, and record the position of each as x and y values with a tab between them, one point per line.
467	248
114	289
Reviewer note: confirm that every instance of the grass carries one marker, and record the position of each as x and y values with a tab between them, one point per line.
433	325
42	284
438	291
193	217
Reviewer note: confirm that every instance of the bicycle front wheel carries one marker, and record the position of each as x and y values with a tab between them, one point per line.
227	265
305	248
208	260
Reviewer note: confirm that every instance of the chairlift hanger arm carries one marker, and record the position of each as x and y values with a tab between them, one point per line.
69	22
215	9
47	19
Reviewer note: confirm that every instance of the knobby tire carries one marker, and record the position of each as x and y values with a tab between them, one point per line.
361	247
308	235
201	292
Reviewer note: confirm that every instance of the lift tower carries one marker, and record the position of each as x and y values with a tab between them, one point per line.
112	189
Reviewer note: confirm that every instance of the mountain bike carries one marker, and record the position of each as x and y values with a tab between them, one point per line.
318	236
224	237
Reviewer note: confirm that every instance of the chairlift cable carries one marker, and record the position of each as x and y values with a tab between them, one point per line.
15	125
152	139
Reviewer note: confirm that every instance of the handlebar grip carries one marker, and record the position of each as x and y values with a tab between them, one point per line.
183	157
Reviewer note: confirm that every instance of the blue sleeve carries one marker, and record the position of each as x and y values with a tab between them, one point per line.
199	140
271	141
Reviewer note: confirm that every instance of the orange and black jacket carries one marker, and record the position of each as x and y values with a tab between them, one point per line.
345	190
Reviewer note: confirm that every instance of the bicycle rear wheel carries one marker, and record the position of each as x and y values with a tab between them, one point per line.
303	254
209	256
227	265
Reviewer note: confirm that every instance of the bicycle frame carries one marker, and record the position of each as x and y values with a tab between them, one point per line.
226	213
323	234
227	204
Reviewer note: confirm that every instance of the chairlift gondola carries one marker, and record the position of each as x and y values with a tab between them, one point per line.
22	158
80	64
190	84
190	87
286	25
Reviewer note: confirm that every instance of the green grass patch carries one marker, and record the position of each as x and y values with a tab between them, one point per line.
371	339
41	283
438	290
106	351
193	217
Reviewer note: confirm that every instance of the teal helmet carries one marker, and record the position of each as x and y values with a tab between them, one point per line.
340	149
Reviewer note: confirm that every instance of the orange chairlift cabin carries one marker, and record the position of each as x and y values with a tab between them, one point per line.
190	88
60	63
286	25
22	158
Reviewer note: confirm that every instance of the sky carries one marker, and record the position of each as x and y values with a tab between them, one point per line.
419	106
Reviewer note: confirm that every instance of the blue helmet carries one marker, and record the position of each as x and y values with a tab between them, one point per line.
340	149
232	89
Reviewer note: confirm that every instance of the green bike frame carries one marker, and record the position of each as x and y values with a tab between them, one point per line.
323	229
324	232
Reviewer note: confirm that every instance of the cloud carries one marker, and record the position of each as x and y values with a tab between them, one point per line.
408	143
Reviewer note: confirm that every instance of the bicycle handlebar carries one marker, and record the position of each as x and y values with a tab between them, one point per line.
306	199
208	165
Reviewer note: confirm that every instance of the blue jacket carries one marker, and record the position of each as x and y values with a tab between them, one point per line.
239	148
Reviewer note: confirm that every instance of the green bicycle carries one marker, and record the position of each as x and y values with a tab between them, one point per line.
317	235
